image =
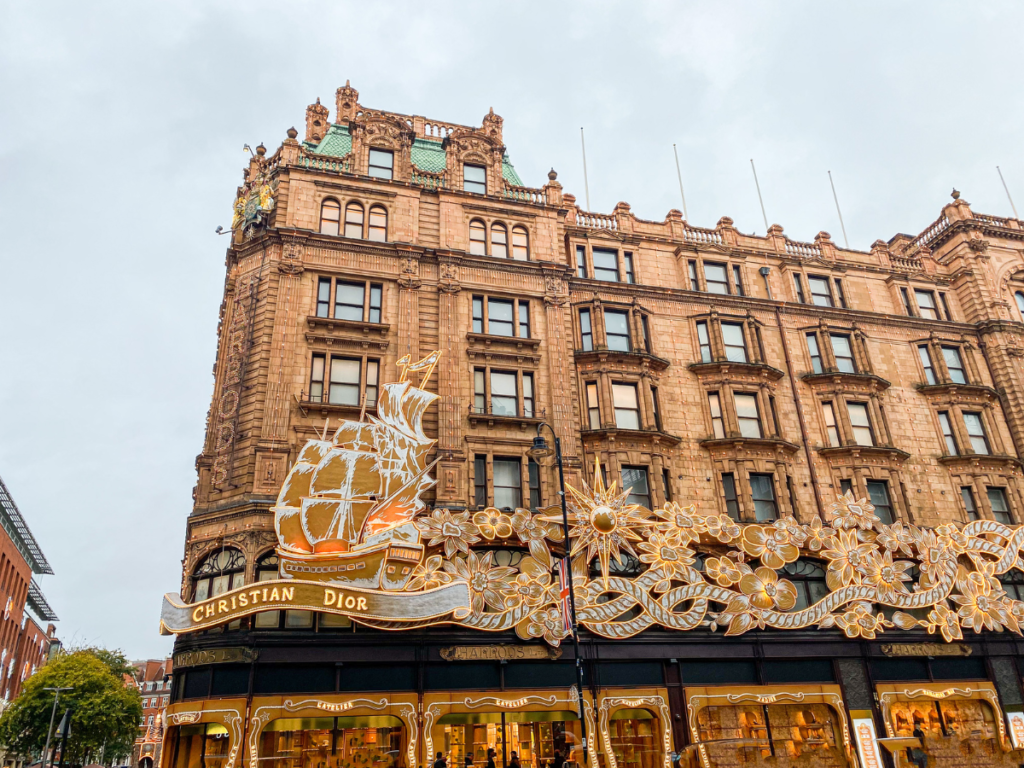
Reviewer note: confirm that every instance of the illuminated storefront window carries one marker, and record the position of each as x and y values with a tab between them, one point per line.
333	742
947	730
773	734
634	739
200	746
535	737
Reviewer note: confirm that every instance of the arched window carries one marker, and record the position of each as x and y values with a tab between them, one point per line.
477	238
499	241
330	217
1020	303
219	572
520	244
354	220
809	579
267	570
378	224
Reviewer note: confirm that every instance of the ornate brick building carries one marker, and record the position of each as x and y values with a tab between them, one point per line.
755	377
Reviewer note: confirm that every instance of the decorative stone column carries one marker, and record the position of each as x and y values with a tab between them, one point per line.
451	470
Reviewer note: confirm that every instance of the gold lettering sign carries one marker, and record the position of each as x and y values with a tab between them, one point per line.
448	603
214	656
926	649
499	652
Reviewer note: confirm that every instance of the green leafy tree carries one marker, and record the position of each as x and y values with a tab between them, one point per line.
105	713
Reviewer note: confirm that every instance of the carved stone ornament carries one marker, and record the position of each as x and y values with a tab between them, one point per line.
556	292
448	280
978	244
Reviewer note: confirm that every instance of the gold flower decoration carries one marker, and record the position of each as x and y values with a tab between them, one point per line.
897	538
724	571
534	531
848	513
979	608
770	544
766	590
493	524
604	523
681	525
859	621
529	587
546	623
888	577
945	621
454	530
847	556
485	582
428	575
817	534
723	528
789	529
663	555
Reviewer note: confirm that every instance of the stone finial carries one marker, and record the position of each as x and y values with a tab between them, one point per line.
317	121
292	133
775	229
822	236
724	222
552	175
347	103
955	194
492	125
261	150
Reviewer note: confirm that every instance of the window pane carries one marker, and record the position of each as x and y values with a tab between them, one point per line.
1020	303
479	393
746	414
878	492
861	424
581	261
968	497
926	363
524	319
520	244
348	301
354	220
499	241
528	395
372	375
330	217
507	483
715	277
628	260
976	431
926	303
843	353
947	433
586	334
499	318
954	364
478	314
830	424
732	507
627	415
735	344
477	238
323	297
704	342
762	491
344	381
375	302
820	293
378	224
606	265
503	394
716	415
634	479
474	179
1000	509
480	480
812	347
381	164
616	326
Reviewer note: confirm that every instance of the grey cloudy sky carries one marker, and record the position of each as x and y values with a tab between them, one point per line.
121	133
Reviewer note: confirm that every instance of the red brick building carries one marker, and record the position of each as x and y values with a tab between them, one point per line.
153	679
24	644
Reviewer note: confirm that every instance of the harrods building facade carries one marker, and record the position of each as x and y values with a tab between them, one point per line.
757	378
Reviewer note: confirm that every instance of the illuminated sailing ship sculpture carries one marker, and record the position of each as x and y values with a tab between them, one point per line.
355	537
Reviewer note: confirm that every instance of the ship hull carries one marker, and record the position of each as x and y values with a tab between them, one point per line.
386	566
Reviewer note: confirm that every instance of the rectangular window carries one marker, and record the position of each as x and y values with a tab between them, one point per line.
732	505
480	480
840	294
906	301
843	353
634	479
627	259
478	314
528	402
479	391
830	424
323	297
524	319
533	472
715	277
627	409
926	304
508	483
500	318
606	265
474	179
666	481
717	423
586	331
593	406
348	300
976	432
821	293
798	284
947	433
878	492
737	280
376	295
372	382
945	306
704	341
1000	509
926	363
581	261
657	408
747	415
762	491
735	343
503	394
645	331
345	381
695	286
967	494
845	486
616	326
812	347
955	365
862	432
382	164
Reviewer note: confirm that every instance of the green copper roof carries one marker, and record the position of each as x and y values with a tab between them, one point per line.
337	142
427	155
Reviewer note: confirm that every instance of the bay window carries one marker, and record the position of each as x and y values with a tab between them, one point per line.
627	408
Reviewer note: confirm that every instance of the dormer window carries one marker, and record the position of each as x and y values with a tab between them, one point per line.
382	164
474	179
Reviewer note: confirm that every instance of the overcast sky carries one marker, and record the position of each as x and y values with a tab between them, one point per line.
121	133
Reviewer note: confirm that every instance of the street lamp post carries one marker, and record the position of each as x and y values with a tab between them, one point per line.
53	713
540	448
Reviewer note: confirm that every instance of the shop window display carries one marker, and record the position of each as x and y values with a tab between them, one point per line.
780	735
533	736
329	742
201	746
633	734
950	731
